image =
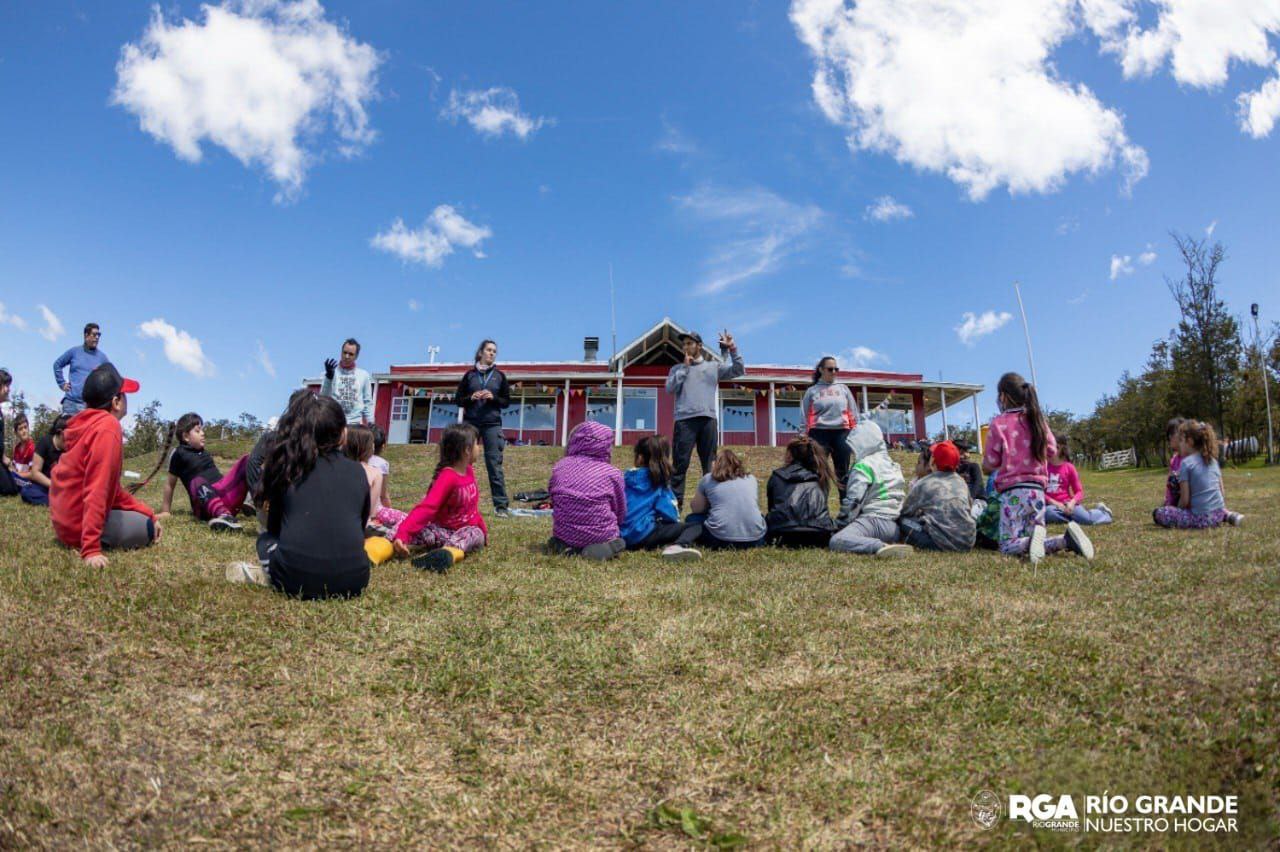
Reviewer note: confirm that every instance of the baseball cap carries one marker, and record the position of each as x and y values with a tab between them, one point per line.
945	455
691	335
103	384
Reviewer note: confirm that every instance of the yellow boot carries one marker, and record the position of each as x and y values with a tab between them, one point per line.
378	550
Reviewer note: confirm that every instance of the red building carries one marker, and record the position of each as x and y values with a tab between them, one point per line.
414	402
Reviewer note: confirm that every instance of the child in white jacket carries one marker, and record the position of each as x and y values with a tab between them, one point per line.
873	499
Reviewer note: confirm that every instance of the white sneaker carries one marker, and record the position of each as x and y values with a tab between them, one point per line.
1104	507
1235	518
1079	542
894	551
223	523
247	572
679	553
1036	551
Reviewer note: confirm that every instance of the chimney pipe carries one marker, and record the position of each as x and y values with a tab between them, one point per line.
590	348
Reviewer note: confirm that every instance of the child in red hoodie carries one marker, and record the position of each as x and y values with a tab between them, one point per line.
89	509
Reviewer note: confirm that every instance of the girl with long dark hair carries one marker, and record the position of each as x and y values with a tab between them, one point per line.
653	519
1019	447
447	521
317	503
830	411
799	515
482	394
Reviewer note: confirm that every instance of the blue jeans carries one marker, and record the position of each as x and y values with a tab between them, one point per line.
1082	516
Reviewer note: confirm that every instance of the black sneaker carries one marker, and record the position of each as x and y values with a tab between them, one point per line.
1078	542
439	561
224	523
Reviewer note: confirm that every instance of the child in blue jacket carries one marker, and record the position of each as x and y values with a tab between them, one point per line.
653	519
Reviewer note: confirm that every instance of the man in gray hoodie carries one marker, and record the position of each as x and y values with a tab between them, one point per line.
694	385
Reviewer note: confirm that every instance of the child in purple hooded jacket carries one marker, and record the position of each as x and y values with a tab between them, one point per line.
588	496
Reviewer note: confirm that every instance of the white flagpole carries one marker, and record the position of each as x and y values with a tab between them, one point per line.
1026	331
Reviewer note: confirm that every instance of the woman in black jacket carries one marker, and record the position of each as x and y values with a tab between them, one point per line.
482	394
799	514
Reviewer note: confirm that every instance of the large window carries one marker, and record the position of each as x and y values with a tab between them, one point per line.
738	414
639	407
442	414
539	414
895	420
788	416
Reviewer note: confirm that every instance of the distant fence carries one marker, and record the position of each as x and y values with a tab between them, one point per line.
1120	458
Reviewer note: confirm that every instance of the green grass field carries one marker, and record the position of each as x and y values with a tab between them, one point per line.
772	699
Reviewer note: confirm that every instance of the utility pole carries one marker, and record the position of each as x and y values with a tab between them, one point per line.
431	353
1026	331
1266	382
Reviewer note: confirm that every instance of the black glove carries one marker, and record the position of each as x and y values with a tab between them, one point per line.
329	366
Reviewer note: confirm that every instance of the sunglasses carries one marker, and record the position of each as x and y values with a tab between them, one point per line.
830	369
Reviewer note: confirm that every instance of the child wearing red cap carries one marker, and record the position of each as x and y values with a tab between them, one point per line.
936	514
89	509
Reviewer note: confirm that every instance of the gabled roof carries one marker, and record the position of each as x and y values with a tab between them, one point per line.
663	339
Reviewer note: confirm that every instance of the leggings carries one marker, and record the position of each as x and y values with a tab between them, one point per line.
388	517
1185	519
127	530
224	497
835	442
467	539
599	552
1021	511
668	532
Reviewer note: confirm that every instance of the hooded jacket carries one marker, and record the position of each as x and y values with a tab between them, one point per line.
876	487
645	504
940	504
486	413
587	492
86	482
797	502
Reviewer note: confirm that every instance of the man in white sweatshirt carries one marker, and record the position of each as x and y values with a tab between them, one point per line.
351	386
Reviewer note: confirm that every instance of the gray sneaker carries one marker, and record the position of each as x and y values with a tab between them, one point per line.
1235	518
224	523
894	551
1078	542
680	553
1036	551
247	572
501	512
1104	507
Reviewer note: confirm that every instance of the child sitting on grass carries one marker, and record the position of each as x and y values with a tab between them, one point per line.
796	496
48	450
214	498
653	519
868	519
1171	490
359	448
23	447
1019	446
88	508
588	497
1201	498
8	487
936	514
727	506
1065	495
378	463
317	503
448	519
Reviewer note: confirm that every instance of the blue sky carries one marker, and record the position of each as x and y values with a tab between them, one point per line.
680	142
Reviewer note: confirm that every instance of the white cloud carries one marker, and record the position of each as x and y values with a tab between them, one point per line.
757	321
861	358
261	78
14	320
758	230
493	112
53	328
1121	265
1212	226
430	244
1148	257
415	305
972	327
1078	299
182	350
887	209
264	360
967	88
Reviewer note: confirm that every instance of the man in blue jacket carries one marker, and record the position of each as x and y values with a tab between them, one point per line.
82	360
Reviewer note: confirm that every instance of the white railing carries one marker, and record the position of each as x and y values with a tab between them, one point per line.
1120	458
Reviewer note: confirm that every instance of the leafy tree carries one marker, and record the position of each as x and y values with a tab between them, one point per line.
148	432
42	419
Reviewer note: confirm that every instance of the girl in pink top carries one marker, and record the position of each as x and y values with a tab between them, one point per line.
1019	446
1065	495
1171	491
448	519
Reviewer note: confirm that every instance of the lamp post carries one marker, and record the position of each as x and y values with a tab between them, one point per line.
1266	382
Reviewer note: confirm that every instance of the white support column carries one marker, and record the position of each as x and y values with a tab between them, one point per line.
773	416
719	419
431	402
977	424
564	426
617	416
946	429
866	401
520	431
